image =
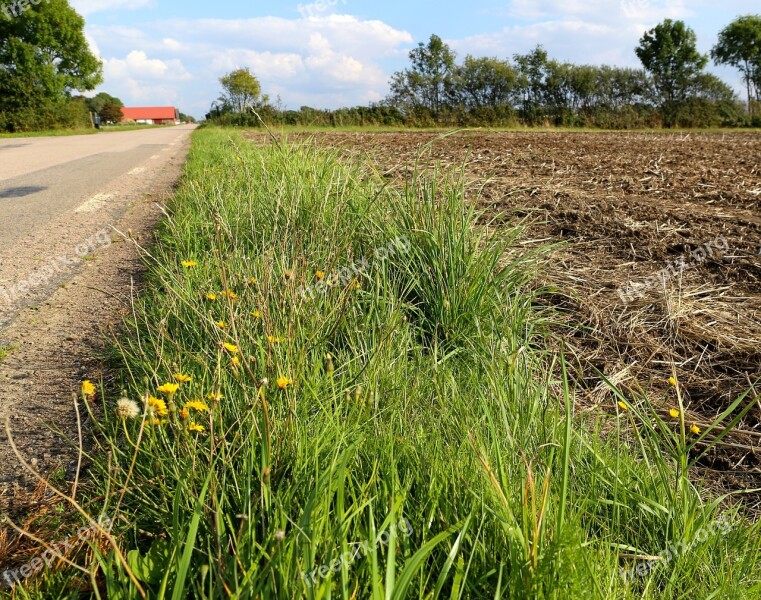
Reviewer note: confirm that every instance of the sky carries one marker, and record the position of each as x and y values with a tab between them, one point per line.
333	53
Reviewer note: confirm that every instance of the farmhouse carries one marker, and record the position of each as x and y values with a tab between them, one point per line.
152	115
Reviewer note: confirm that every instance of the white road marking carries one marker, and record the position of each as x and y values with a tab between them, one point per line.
94	203
136	171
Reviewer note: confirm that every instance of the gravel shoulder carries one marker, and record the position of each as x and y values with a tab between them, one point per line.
77	277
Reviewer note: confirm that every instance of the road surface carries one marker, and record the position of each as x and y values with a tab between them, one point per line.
41	178
75	216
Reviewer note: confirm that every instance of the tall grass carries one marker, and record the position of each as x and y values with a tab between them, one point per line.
387	423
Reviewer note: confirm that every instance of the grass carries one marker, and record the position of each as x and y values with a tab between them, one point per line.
366	407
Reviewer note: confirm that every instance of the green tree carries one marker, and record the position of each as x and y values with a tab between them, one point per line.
111	112
669	53
242	91
532	82
96	103
484	82
739	46
44	57
428	82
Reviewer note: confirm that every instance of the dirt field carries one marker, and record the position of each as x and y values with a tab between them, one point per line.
623	207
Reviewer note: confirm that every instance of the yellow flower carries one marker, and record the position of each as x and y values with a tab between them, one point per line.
184	413
284	382
180	377
229	294
623	405
189	263
274	340
214	397
674	413
88	389
232	348
235	361
156	407
672	381
320	274
211	296
695	429
157	422
252	280
195	427
356	285
257	314
197	405
221	324
168	388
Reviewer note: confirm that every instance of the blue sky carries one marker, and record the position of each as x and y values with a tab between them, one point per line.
334	53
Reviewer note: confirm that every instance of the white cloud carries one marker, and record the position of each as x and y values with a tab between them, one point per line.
325	60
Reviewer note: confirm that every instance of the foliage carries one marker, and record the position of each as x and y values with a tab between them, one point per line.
429	80
241	91
669	53
739	46
44	57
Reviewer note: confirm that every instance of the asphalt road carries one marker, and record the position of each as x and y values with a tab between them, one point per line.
42	178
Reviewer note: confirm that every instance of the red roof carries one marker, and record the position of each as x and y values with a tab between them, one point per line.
150	112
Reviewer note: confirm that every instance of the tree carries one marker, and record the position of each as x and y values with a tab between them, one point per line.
532	76
96	103
111	113
669	53
484	83
44	57
739	46
428	82
242	91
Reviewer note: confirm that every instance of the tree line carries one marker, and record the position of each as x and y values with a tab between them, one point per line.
672	89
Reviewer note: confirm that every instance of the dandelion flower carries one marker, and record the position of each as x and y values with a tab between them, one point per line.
235	361
88	389
127	409
231	348
169	388
182	378
184	413
672	381
197	405
320	274
695	429
221	324
156	407
229	294
214	397
284	382
257	314
623	405
211	296
195	427
674	413
189	264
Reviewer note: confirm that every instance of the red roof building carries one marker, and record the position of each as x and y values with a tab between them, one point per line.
153	115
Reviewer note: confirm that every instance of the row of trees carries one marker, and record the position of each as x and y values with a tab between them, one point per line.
672	89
